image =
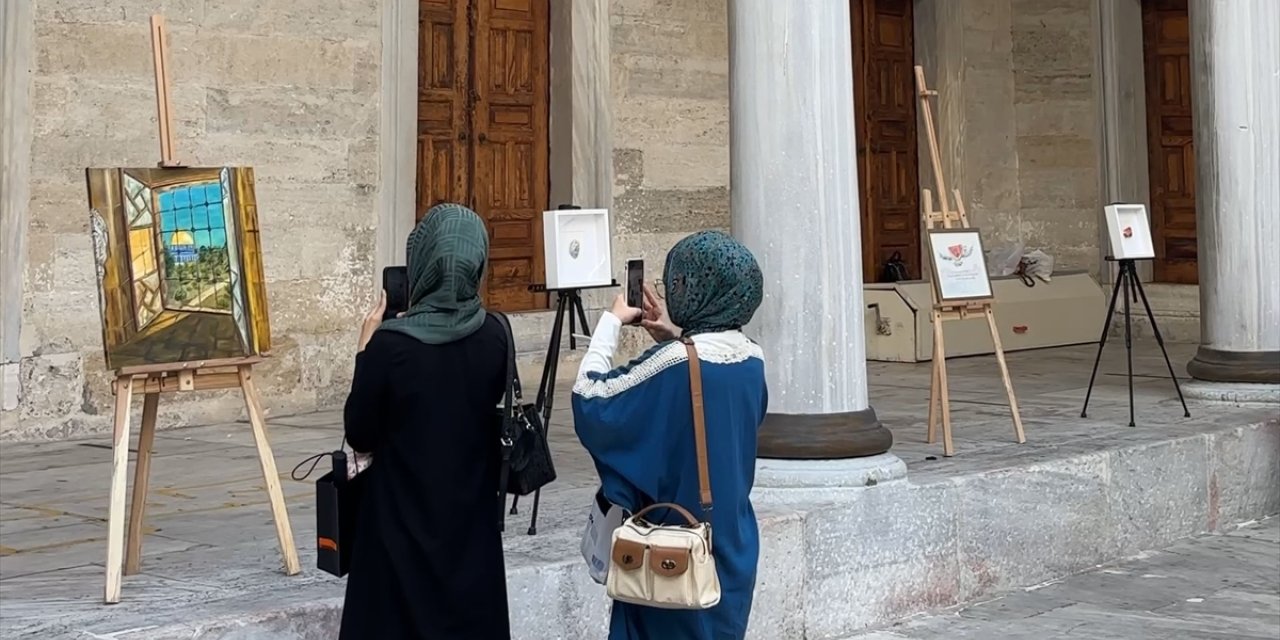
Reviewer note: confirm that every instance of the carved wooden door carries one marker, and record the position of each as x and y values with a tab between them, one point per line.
885	111
1166	39
482	134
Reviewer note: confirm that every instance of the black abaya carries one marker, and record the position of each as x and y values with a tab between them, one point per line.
428	559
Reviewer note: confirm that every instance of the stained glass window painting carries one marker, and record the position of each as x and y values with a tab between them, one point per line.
180	278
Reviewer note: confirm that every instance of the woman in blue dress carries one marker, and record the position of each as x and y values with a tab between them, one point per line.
636	421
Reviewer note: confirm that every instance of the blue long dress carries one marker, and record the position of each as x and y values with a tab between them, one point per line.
636	422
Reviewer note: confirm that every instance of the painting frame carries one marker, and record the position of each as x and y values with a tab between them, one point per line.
1129	230
964	277
179	265
577	248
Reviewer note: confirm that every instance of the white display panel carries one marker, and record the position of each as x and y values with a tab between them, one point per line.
577	248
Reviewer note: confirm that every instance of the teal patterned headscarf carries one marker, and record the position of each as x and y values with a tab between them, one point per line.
713	283
447	252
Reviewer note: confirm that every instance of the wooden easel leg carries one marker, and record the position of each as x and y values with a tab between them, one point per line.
119	477
931	435
1004	372
141	478
269	474
948	449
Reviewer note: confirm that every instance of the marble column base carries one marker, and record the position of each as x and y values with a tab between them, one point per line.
1232	392
823	436
789	481
1215	365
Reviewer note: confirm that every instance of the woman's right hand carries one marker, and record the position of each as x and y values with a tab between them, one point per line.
655	319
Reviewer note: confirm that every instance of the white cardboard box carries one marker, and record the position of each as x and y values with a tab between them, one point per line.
577	248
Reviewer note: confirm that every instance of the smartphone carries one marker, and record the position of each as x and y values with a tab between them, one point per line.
395	281
635	284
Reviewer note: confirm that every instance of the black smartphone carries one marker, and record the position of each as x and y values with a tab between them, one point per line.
395	281
635	284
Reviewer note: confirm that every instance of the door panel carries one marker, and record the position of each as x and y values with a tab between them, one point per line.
482	130
510	119
1171	161
885	113
443	129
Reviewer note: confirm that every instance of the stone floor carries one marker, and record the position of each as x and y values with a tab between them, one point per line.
210	545
1206	588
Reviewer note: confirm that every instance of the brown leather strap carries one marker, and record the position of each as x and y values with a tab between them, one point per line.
699	424
667	505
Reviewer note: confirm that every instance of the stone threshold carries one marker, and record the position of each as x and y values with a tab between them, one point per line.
844	560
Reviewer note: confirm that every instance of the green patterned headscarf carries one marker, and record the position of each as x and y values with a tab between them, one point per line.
447	252
713	283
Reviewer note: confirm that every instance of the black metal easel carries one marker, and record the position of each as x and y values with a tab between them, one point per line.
1127	278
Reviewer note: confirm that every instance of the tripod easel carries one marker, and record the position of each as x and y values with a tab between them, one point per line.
1128	280
568	303
124	555
948	218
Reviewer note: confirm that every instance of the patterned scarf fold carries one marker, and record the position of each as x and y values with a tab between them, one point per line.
446	258
712	282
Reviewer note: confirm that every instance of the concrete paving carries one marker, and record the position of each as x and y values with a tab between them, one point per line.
211	565
1206	588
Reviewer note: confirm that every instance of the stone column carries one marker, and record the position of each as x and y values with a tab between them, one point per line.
794	203
16	62
1236	93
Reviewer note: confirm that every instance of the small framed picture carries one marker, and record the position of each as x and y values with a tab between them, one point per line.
577	248
1130	232
959	265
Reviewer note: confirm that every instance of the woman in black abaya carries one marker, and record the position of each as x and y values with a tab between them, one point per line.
428	558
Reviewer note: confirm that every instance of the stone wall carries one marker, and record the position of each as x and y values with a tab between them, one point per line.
255	82
671	127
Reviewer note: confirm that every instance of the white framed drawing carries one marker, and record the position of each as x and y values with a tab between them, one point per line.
577	248
1130	232
959	265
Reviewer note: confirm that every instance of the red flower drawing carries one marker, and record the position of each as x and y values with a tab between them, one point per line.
957	250
1128	232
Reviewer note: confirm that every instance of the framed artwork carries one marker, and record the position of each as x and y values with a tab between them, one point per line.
1130	232
179	264
959	265
577	246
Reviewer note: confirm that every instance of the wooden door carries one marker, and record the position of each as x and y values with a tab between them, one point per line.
1166	40
482	130
885	110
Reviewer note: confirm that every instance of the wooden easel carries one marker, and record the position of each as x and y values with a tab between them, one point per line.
153	380
950	218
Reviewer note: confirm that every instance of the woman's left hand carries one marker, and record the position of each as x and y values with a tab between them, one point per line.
372	320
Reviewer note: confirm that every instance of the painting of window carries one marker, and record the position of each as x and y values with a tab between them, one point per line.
179	264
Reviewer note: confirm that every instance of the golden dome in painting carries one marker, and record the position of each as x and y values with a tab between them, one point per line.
181	239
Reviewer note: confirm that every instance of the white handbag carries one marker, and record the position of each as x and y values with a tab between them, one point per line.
669	566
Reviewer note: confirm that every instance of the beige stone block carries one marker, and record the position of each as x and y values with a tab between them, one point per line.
1034	85
641	120
685	166
115	109
58	207
364	163
276	160
1050	152
1058	188
670	34
1075	227
291	205
1051	14
94	50
676	76
73	267
61	321
990	187
297	113
52	385
315	251
38	275
319	305
100	11
337	19
671	210
63	158
689	10
1042	50
982	15
1058	118
220	60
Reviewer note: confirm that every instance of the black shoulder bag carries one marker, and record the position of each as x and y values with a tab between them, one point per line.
526	456
895	270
